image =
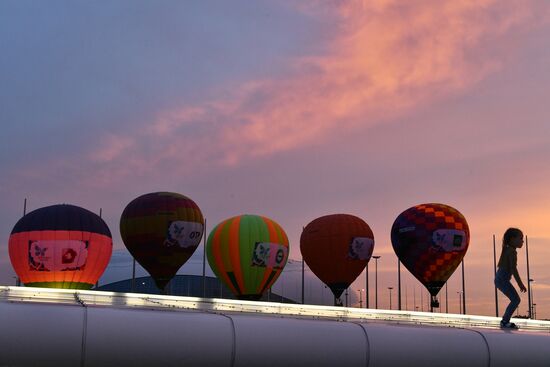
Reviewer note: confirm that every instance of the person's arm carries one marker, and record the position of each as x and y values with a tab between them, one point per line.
518	280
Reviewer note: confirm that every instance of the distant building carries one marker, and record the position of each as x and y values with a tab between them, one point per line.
117	277
185	285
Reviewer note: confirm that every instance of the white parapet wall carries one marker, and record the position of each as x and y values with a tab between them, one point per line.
50	327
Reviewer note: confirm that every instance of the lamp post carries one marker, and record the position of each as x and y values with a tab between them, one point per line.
204	260
399	284
376	280
459	301
367	286
446	299
17	279
390	288
414	299
495	274
303	283
463	290
528	276
531	299
360	298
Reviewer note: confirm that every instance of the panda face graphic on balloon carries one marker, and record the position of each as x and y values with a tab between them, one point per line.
448	240
183	234
269	255
361	248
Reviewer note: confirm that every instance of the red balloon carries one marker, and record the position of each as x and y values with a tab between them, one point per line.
337	248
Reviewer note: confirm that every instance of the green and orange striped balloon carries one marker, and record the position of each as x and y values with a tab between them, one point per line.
247	253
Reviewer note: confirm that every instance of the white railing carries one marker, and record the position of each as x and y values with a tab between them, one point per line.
135	300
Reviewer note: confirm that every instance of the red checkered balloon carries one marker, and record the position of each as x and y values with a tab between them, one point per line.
430	240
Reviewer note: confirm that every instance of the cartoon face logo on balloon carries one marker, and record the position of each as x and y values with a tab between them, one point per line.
431	240
269	254
184	234
449	240
360	248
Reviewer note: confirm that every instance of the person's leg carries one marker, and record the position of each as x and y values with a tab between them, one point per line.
509	291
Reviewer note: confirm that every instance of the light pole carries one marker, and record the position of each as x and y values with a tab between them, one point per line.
414	299
133	275
535	311
531	299
204	261
360	298
17	279
390	288
528	275
463	290
459	301
446	299
495	274
367	285
399	284
376	280
303	282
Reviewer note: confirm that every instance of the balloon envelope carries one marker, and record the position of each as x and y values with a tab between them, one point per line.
60	246
161	230
430	240
247	253
337	248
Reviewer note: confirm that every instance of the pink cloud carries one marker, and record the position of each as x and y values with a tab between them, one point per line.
111	147
382	59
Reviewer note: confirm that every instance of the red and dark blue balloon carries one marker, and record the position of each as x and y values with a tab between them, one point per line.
60	246
431	240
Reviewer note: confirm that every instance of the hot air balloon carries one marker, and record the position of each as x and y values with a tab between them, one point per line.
247	253
337	248
161	230
431	240
60	246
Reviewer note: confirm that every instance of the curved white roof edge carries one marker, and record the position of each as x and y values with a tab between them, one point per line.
91	328
160	302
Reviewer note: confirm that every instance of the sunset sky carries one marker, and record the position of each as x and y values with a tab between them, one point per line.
289	109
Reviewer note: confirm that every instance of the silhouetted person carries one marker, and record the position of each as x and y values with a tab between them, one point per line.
507	267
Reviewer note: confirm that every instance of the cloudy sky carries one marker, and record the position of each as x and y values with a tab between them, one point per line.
289	109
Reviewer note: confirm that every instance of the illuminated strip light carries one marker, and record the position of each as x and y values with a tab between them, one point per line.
215	305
